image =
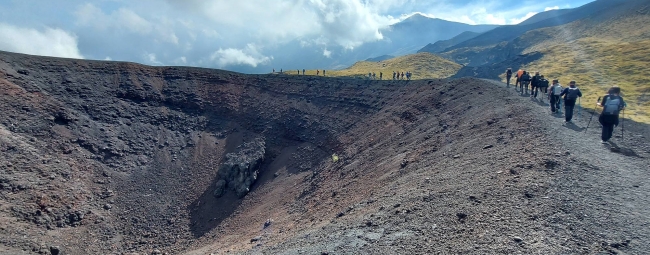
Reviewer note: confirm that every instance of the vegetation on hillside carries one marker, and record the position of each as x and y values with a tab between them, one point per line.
422	65
596	65
598	55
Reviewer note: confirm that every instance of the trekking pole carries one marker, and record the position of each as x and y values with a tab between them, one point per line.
623	126
592	116
579	108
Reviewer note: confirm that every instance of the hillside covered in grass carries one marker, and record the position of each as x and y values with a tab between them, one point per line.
596	65
422	65
598	55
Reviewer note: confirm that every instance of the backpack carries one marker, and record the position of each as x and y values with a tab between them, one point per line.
509	73
572	94
557	90
612	106
543	83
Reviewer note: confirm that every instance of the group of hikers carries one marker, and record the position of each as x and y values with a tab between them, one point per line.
303	72
396	76
612	103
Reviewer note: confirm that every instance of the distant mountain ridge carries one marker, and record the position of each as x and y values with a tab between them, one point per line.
609	46
511	32
441	45
402	38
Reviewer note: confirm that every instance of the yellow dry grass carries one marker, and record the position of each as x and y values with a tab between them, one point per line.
422	65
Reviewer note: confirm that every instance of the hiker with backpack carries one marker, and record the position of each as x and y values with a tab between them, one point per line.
381	76
571	94
508	76
542	85
534	85
612	105
518	81
524	80
554	93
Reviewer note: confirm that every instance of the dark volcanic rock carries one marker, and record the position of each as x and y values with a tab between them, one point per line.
241	168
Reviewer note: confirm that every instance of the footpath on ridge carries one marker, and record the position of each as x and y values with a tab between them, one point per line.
606	195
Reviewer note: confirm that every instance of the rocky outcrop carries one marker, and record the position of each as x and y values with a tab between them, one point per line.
241	168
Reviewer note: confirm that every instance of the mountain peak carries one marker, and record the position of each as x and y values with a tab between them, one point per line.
415	17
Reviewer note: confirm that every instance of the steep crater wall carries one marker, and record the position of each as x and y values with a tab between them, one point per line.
136	154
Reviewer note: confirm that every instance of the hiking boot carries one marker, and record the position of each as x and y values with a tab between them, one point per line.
603	142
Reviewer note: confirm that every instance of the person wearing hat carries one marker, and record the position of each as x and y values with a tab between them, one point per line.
571	94
554	92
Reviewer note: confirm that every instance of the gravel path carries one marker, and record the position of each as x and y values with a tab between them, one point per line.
603	195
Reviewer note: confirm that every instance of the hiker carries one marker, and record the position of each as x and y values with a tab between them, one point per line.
298	71
508	76
542	86
381	75
303	71
554	96
317	72
369	76
323	72
393	75
534	85
402	76
273	70
408	75
612	105
280	70
518	81
374	76
570	94
524	80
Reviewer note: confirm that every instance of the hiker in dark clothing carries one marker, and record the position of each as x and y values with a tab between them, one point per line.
542	84
534	85
381	75
393	75
524	81
570	94
323	72
508	76
612	105
303	71
554	96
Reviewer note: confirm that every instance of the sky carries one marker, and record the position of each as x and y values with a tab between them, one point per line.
226	33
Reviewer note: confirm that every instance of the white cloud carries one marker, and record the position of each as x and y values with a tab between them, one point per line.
327	53
108	58
48	42
519	20
349	23
247	56
552	8
121	19
152	59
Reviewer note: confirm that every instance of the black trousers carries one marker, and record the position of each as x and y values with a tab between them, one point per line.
555	103
608	122
568	109
533	91
508	79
